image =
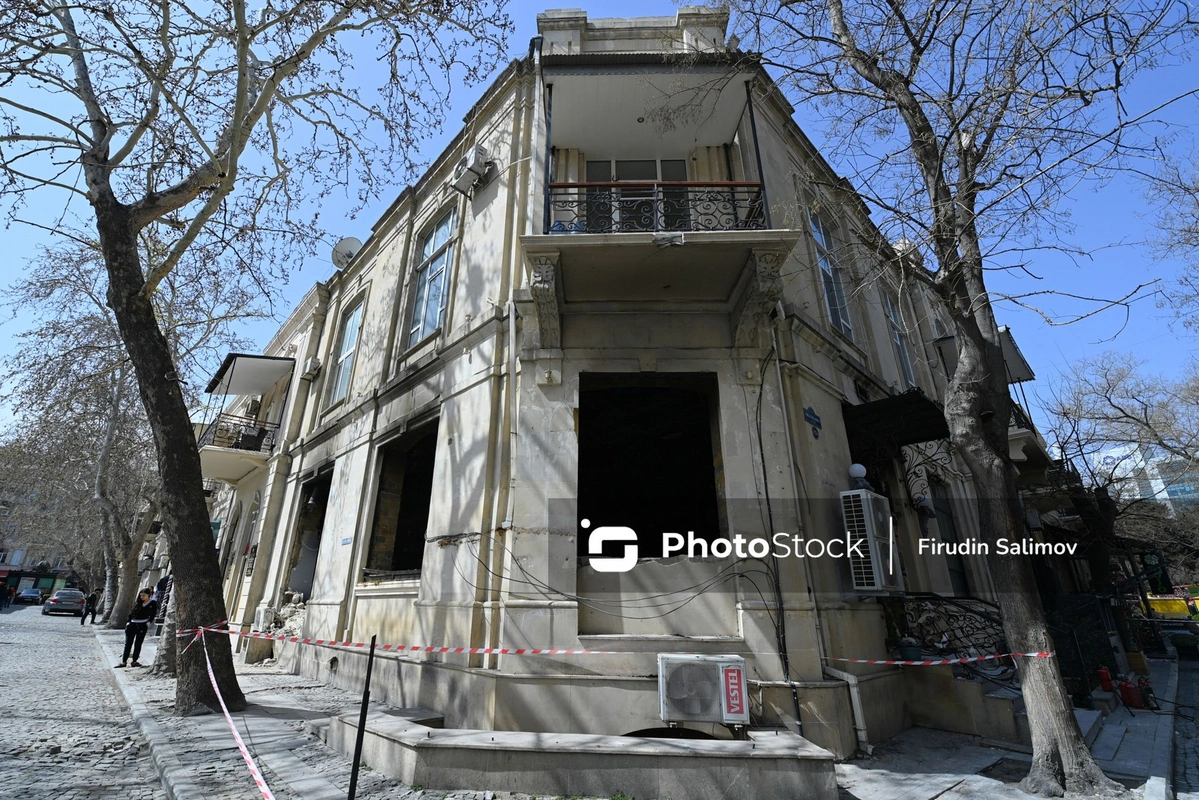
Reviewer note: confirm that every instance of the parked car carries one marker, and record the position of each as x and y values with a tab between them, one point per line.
65	601
29	597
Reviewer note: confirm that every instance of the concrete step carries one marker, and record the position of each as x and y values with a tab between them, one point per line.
770	765
1090	722
1107	702
318	728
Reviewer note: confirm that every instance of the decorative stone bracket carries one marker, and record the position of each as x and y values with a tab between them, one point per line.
545	290
763	290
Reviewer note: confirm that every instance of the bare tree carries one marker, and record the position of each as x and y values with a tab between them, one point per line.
966	123
213	127
1174	195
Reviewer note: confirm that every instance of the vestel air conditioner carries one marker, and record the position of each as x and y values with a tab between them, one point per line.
867	519
471	171
702	688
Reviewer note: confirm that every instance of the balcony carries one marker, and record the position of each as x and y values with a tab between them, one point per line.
232	447
660	206
1027	447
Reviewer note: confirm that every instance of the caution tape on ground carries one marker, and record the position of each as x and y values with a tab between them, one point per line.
259	781
940	661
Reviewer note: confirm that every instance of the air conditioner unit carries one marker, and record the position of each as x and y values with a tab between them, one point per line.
470	171
867	519
311	367
702	688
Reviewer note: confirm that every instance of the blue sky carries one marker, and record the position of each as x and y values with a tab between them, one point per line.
1103	216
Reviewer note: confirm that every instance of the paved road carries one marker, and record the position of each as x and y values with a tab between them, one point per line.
65	732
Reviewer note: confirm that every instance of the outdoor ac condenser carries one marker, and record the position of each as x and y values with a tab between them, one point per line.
702	688
470	171
867	520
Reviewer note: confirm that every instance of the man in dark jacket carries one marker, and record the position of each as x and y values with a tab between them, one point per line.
89	607
140	617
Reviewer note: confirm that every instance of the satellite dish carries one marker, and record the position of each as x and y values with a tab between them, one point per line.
345	250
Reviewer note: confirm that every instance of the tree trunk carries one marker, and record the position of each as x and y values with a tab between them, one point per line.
978	408
184	513
168	648
127	587
111	572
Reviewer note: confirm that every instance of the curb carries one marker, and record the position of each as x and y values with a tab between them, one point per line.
175	778
1160	785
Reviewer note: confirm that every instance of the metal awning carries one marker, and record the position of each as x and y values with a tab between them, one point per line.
887	424
245	373
1018	369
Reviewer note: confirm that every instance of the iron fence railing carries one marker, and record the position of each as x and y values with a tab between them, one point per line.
240	433
949	627
632	207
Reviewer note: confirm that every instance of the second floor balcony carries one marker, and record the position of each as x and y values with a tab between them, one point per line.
655	206
232	446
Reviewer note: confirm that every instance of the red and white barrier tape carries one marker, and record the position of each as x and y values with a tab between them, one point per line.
259	781
411	648
939	661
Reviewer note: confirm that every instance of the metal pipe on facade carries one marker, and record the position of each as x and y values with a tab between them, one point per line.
753	129
855	701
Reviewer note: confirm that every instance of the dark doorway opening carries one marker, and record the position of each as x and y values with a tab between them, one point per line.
402	505
647	456
314	502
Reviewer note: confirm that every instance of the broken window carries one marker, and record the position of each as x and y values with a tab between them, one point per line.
648	456
402	505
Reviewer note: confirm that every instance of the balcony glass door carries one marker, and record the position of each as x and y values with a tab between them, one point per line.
643	205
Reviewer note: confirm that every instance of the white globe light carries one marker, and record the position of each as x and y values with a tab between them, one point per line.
857	471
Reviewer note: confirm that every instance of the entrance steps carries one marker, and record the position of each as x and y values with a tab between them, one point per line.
770	765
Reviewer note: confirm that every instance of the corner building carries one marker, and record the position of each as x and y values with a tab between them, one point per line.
630	291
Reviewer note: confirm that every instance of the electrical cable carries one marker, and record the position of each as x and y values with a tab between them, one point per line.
598	605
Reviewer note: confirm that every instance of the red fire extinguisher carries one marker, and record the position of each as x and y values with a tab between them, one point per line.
1105	679
1131	695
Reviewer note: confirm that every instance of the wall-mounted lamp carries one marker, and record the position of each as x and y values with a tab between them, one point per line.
857	477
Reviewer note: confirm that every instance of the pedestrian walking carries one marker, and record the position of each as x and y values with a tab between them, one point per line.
89	607
139	622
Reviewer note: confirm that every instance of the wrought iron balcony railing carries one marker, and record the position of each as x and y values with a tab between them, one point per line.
240	433
629	207
1020	419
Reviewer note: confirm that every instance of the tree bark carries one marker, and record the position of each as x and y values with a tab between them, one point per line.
111	572
127	587
184	513
978	409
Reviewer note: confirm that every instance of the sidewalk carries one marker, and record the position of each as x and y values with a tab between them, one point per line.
196	757
1135	749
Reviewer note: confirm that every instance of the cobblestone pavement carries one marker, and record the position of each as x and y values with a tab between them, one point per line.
221	774
66	732
1186	732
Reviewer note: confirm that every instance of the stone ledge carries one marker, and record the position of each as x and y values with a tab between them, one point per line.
771	764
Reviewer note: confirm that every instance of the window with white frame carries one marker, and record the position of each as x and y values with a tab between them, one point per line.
436	252
343	362
900	339
830	277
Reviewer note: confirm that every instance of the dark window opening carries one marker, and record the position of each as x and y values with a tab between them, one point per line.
402	506
949	534
647	459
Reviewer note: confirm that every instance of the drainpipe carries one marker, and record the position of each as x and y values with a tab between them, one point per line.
753	128
855	700
855	694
